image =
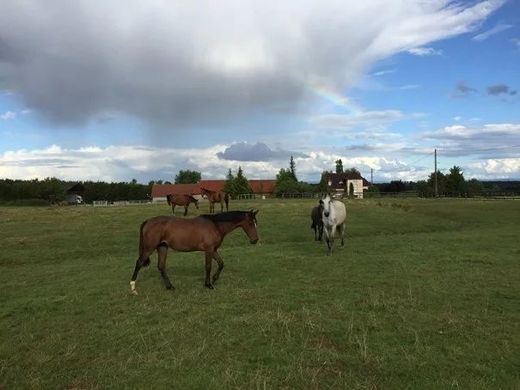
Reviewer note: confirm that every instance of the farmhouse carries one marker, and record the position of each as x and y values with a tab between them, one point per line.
346	183
159	191
74	194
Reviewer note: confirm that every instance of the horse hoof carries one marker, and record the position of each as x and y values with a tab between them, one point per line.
134	292
170	287
210	286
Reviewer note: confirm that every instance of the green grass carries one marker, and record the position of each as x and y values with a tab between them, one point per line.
426	294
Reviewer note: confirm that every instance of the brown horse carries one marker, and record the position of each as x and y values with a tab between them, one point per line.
203	233
181	200
317	222
216	197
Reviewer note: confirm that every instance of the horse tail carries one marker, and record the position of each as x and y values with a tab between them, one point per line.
169	200
226	199
145	262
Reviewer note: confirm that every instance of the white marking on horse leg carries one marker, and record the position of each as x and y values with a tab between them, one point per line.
132	287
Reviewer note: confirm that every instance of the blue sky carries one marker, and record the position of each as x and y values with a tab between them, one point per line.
118	91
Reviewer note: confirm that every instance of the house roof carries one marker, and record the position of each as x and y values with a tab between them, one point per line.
213	185
262	186
161	190
339	180
77	188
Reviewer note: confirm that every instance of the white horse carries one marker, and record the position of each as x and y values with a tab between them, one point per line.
334	218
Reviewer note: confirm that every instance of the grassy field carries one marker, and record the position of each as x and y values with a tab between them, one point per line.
426	294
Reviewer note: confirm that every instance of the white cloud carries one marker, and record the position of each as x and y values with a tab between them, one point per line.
362	119
424	51
8	115
116	163
516	42
383	72
506	168
499	140
495	30
496	131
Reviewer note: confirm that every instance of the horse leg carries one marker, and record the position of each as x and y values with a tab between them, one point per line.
320	232
342	233
173	209
207	282
185	210
142	261
330	237
221	206
161	265
220	262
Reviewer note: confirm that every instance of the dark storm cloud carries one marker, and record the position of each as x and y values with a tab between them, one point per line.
500	89
182	64
243	151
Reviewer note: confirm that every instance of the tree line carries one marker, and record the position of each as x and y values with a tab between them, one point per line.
53	190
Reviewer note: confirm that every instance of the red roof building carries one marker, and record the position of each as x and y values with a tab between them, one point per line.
159	191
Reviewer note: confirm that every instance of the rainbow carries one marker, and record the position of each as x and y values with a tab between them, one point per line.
331	95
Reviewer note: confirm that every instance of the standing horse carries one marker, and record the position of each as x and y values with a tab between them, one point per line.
216	197
317	222
181	200
203	233
334	218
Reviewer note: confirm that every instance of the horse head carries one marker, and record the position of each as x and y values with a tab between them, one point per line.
249	225
325	204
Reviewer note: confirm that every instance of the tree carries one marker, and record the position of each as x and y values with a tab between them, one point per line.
292	169
285	182
474	187
455	183
229	187
240	183
187	177
339	166
353	171
441	182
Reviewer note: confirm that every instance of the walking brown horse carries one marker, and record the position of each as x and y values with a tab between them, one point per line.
216	197
181	200
203	233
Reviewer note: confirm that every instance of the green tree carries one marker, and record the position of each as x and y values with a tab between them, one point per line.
187	177
240	183
285	182
229	186
292	169
441	182
474	187
455	183
339	166
353	171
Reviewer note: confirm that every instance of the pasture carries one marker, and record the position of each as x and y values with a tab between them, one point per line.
425	294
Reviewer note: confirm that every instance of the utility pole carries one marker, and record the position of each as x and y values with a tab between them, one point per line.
371	176
436	188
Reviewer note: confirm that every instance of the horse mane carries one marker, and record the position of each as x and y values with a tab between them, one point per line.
228	216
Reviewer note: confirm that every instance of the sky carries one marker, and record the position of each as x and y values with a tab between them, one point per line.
125	89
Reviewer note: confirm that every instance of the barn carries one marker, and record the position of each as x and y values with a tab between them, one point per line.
159	191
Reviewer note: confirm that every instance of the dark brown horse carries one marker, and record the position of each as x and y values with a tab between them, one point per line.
181	200
203	233
216	197
317	222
